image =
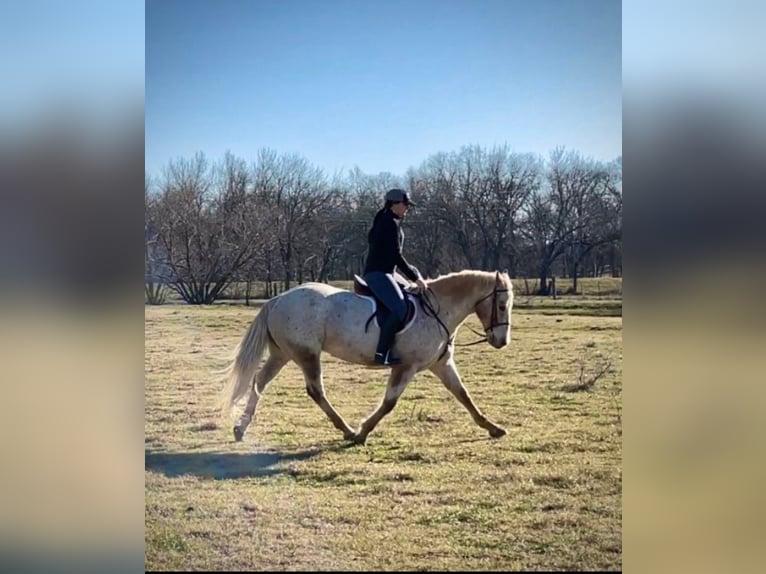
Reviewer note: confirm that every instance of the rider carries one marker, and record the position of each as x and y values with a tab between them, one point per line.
385	240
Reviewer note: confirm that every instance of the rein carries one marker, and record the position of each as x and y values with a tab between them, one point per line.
476	342
429	310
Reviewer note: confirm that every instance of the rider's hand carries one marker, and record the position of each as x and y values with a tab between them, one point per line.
422	287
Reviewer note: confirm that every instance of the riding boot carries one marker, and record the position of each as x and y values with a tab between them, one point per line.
383	354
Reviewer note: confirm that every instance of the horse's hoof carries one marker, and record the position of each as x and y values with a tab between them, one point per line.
360	439
349	436
238	434
497	432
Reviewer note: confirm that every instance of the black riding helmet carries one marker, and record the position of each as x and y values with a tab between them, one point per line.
399	195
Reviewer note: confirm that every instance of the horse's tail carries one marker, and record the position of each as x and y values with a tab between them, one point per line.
241	372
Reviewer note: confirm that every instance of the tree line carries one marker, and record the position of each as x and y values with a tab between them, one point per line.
278	218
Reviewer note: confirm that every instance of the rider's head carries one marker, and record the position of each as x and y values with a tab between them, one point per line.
398	201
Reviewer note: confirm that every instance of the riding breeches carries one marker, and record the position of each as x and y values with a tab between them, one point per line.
388	291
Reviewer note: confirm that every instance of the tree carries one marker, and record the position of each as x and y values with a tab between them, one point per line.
475	200
281	219
597	215
571	214
294	192
203	223
154	268
509	180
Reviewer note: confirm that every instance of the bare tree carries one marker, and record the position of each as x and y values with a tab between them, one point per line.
449	179
154	268
332	233
203	224
475	203
566	215
510	180
433	230
426	232
596	214
295	193
282	219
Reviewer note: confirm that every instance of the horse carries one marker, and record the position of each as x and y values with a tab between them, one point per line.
309	319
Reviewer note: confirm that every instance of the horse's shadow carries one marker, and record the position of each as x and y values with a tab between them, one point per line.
225	465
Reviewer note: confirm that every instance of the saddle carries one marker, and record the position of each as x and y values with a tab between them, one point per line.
381	311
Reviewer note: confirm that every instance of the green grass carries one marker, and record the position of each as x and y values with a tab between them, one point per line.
429	490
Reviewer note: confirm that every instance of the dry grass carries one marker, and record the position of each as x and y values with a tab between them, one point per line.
429	491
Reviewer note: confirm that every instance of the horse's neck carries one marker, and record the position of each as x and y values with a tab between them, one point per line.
457	304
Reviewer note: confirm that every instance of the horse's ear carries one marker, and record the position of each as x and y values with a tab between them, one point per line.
497	276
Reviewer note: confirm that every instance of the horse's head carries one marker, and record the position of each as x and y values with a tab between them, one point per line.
494	311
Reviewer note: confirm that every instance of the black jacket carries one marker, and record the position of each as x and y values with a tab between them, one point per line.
386	239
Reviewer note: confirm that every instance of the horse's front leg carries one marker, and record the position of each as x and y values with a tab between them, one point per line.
397	382
447	373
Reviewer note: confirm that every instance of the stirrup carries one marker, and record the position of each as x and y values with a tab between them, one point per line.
388	359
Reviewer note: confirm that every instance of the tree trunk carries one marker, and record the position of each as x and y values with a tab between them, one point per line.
287	259
327	258
511	264
574	278
543	281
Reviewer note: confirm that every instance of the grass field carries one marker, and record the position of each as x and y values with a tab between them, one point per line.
429	490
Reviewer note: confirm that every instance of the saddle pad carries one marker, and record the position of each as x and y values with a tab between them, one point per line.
408	296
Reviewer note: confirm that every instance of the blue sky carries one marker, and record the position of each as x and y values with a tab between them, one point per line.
85	57
380	85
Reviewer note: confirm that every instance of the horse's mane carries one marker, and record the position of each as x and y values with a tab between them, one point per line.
455	284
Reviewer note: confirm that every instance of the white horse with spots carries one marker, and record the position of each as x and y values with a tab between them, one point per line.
312	318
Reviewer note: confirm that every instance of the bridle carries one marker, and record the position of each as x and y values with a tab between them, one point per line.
429	310
493	322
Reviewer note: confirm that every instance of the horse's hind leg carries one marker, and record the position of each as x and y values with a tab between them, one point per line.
397	382
312	373
448	375
270	369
